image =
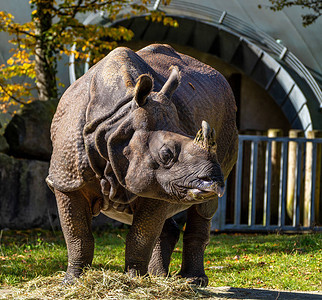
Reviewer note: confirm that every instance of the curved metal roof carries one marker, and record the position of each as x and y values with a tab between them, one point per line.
285	26
213	12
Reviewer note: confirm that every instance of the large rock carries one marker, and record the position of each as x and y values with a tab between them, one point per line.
28	133
4	147
25	199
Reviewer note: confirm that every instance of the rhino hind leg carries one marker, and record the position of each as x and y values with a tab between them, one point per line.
75	219
160	260
195	240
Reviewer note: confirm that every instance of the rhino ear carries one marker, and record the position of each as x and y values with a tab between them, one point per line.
116	146
172	82
142	89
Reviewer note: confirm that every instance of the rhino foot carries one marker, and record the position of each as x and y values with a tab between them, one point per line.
68	279
72	273
201	280
137	271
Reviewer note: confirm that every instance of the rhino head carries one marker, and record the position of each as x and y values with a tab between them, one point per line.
152	157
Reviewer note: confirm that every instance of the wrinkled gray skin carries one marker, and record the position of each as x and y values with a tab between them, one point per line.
123	144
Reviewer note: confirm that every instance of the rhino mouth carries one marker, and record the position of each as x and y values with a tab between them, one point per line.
205	190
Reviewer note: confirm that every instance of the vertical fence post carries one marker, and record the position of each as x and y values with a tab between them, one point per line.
297	201
318	180
260	182
276	166
292	171
267	190
282	186
246	175
312	179
253	184
239	168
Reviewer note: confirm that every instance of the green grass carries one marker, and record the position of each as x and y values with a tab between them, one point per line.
287	262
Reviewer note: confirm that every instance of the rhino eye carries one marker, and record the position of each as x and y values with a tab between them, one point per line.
166	155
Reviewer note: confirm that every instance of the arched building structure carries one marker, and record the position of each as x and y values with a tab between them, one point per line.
272	86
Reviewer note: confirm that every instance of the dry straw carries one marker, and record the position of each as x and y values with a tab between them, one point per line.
107	284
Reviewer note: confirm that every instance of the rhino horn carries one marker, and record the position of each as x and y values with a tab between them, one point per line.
142	89
172	83
205	137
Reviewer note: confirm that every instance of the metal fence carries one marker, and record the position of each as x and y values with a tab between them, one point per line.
275	186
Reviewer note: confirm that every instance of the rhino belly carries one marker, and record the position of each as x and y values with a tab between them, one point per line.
123	217
124	213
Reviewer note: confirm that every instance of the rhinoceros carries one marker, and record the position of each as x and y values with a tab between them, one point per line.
127	143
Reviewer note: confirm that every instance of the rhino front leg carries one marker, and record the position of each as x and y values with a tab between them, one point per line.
160	260
195	240
148	221
75	219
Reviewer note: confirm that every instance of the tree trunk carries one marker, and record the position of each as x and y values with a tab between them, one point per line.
44	56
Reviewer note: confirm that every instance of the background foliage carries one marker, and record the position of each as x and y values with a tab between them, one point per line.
315	7
51	33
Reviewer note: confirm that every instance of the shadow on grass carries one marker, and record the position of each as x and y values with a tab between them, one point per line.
240	293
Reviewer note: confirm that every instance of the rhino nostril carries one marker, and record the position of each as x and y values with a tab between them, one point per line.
205	178
217	180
